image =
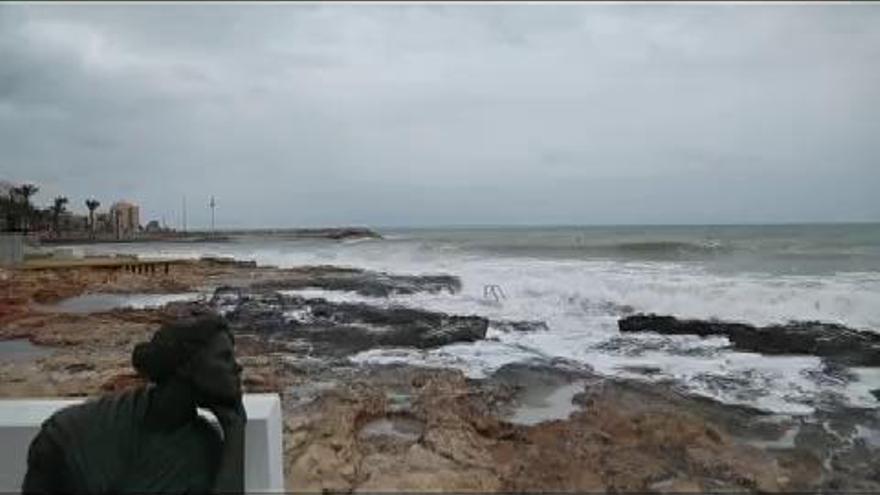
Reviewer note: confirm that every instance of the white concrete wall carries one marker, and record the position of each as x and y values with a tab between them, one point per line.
11	249
20	421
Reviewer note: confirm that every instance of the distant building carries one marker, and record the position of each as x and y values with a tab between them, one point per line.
153	226
71	222
103	223
125	218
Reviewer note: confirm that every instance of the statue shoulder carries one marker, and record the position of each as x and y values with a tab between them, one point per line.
108	412
72	441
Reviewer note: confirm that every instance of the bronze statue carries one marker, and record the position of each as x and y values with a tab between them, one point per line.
151	439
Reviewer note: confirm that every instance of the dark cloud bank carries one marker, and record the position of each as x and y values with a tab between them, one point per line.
407	114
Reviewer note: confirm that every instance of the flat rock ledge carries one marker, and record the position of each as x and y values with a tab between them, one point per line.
827	340
364	282
339	329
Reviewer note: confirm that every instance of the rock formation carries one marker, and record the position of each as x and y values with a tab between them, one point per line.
828	340
343	328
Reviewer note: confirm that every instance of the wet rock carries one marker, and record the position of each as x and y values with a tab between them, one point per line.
676	485
627	437
79	367
519	326
831	374
827	340
638	345
397	428
429	330
540	372
258	316
365	283
643	370
338	233
343	328
535	391
855	469
228	261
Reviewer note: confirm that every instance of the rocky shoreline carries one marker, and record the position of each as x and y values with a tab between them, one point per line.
535	426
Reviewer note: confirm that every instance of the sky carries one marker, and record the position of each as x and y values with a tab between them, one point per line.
447	114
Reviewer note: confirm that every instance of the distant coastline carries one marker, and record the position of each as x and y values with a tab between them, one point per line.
335	233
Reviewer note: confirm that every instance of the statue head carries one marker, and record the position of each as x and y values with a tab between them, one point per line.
198	350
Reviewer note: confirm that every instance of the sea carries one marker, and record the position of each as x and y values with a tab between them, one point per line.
580	280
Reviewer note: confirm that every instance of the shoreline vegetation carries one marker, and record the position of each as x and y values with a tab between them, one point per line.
56	224
548	425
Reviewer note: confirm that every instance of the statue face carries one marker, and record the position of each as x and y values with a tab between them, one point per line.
216	375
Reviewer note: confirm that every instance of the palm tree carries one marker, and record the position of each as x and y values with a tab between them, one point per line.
57	209
25	191
92	204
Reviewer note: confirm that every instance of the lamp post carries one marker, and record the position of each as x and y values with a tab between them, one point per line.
212	204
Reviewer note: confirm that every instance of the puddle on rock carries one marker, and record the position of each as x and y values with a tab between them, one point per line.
19	350
399	402
539	404
306	393
786	441
871	436
399	428
99	302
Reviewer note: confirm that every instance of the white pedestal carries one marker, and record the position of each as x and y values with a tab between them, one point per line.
20	421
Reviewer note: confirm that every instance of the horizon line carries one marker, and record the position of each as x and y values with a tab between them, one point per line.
543	225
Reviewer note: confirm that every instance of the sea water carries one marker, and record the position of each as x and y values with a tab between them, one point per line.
580	280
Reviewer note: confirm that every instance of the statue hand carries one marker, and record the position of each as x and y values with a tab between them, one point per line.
230	415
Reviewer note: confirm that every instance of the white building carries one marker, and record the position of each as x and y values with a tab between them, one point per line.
125	218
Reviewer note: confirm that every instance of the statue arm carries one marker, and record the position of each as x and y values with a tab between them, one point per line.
230	472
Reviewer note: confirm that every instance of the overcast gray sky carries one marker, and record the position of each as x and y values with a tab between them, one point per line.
409	114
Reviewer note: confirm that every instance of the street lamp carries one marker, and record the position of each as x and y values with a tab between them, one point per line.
212	204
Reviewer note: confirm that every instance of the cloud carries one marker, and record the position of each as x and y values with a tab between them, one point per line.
447	114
